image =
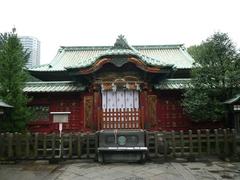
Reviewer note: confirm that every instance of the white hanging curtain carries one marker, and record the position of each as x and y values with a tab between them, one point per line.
120	99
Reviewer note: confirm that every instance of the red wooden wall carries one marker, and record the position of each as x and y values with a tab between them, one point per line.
169	112
171	116
59	103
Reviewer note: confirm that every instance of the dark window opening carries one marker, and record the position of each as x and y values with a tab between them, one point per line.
40	112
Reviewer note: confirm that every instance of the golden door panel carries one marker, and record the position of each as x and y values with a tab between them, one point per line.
152	110
88	111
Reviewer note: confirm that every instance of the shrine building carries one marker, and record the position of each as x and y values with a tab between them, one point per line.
113	87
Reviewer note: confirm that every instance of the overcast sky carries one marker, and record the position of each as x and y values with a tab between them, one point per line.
98	22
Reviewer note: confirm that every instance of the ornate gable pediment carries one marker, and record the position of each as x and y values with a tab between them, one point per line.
120	54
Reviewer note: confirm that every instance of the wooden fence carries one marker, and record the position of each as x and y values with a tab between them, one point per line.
84	145
47	146
217	142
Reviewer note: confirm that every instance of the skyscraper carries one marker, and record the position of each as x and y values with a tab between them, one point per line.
32	45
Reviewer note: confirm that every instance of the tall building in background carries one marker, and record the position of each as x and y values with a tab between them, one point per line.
32	44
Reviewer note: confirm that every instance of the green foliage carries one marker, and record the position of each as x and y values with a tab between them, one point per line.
12	80
215	78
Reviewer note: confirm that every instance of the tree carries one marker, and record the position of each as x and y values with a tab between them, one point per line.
12	80
215	78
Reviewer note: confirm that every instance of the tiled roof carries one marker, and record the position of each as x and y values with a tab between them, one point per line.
53	86
5	105
70	86
173	84
233	100
83	56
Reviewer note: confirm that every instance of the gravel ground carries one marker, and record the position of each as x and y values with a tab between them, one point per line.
71	170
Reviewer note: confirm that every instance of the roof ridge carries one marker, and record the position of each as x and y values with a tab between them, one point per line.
107	47
50	82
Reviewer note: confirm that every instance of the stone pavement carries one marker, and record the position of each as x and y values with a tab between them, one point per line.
73	170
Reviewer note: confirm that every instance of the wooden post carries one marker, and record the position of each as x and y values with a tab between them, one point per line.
10	145
96	144
208	142
182	143
62	145
36	145
53	145
225	142
3	145
141	115
190	143
27	138
17	139
199	142
173	144
234	142
100	119
79	147
87	145
165	144
44	145
156	143
70	146
216	142
147	139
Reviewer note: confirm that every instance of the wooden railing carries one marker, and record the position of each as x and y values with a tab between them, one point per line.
17	146
120	118
201	143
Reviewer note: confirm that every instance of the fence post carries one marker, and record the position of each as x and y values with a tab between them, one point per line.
225	142
165	144
199	142
53	144
96	144
216	142
17	139
27	138
70	146
44	145
36	145
87	145
173	144
182	143
208	142
79	147
190	143
234	142
147	139
156	143
61	150
3	145
10	145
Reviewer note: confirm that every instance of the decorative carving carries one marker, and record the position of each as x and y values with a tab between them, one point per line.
139	64
121	43
88	111
152	109
119	61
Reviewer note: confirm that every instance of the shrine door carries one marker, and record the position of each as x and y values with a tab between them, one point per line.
120	109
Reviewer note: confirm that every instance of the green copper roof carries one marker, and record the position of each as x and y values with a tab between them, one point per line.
233	100
83	56
5	105
53	86
70	86
121	47
173	84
